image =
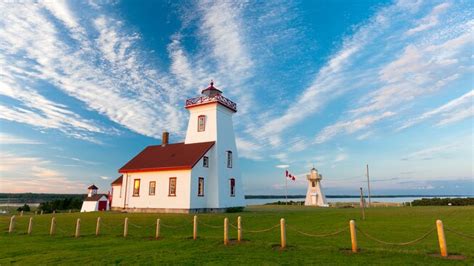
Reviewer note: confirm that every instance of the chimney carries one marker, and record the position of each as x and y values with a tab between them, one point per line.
164	138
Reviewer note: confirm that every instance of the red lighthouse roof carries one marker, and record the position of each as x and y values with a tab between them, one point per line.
211	90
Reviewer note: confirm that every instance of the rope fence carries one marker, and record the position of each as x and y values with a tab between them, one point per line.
72	229
425	235
318	235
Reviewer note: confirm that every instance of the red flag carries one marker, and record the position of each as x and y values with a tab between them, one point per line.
293	178
286	173
290	176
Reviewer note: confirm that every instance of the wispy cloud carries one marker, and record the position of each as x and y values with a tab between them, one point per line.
350	126
33	174
433	152
453	111
430	20
10	139
107	74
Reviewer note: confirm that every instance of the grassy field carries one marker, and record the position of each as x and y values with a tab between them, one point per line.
392	224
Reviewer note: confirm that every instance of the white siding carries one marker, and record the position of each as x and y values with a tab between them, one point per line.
161	199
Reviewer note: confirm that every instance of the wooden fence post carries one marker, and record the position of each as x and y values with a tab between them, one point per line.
157	232
78	228
353	236
226	231
21	213
125	227
195	227
283	232
41	212
97	227
30	226
441	238
12	224
239	229
52	229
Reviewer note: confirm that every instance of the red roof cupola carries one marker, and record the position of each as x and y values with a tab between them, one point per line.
211	95
211	91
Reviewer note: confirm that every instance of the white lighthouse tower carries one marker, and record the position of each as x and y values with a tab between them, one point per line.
210	119
315	195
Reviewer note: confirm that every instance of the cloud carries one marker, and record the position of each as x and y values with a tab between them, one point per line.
102	67
453	111
33	174
6	139
433	152
430	20
340	157
283	166
104	177
349	126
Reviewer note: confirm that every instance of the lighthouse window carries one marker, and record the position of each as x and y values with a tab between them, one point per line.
201	123
152	188
232	187
205	161
201	187
229	159
172	188
136	187
313	184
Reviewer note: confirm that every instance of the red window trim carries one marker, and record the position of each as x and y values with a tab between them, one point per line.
199	181
139	186
175	186
154	188
203	125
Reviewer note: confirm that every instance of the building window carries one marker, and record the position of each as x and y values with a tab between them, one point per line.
229	159
205	161
201	123
136	187
232	187
152	188
172	188
201	187
313	184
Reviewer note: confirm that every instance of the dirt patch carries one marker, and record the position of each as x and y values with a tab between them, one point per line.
277	247
453	256
348	251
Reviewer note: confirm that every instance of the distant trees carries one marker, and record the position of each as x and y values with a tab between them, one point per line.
443	202
25	208
71	203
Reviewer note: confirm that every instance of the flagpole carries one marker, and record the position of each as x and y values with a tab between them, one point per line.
286	189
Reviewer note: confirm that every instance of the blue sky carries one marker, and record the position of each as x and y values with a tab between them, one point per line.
84	86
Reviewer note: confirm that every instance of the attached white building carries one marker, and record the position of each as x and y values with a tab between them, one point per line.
200	174
95	202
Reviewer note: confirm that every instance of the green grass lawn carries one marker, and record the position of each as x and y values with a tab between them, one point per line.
176	246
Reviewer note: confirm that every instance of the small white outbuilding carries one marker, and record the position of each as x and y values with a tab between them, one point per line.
95	202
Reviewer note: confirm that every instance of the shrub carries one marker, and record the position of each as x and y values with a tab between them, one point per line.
25	208
443	202
234	209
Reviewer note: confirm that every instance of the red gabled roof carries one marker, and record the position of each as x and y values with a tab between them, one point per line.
95	197
118	181
170	157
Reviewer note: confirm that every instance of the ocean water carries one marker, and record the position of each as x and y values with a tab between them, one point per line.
334	200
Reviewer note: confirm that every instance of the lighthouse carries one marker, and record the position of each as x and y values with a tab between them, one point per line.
315	195
201	174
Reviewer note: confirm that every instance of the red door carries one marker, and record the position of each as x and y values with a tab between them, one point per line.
102	205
